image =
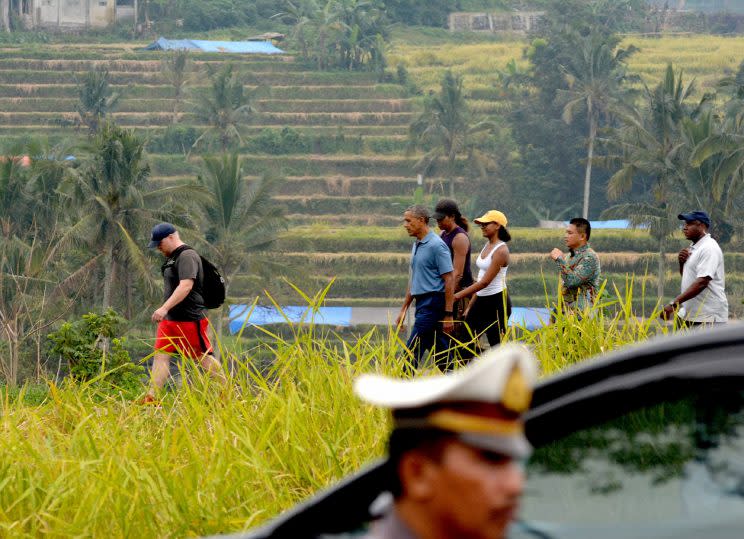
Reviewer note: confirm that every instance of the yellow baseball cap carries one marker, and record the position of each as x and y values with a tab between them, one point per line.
492	216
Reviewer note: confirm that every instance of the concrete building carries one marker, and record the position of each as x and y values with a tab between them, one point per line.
517	22
74	14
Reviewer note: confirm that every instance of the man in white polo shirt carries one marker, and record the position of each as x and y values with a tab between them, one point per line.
703	297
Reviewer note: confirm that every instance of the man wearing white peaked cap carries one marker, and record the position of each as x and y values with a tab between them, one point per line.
454	447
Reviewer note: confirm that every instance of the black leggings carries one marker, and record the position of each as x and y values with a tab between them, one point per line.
490	314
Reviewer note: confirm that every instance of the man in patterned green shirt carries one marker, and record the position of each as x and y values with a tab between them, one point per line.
580	271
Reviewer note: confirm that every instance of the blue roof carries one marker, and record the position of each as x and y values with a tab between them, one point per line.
240	47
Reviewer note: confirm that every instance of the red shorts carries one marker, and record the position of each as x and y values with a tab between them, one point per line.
183	338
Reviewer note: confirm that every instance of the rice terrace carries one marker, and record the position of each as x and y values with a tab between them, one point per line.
291	172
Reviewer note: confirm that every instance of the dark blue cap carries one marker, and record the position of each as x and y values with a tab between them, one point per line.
160	232
697	215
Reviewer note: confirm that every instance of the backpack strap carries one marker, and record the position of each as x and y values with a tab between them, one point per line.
171	260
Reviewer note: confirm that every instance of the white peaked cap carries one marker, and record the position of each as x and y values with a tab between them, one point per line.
484	379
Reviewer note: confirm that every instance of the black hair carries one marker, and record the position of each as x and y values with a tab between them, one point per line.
462	222
503	234
448	206
582	225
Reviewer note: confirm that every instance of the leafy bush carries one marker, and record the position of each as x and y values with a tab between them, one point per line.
291	141
279	141
175	139
94	351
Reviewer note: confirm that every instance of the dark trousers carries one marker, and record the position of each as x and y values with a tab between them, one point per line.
427	329
489	314
680	323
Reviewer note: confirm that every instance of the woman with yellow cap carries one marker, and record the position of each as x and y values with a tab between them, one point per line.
489	309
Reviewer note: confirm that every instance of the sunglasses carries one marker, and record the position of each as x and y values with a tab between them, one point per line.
484	225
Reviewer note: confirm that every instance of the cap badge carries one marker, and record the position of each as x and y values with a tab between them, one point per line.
516	395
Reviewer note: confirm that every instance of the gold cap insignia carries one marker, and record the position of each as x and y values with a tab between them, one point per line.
517	394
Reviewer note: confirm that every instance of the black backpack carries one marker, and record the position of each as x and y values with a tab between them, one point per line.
213	283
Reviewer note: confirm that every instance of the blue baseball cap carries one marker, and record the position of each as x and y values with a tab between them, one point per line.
697	215
159	233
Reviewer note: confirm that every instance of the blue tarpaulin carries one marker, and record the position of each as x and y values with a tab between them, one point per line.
614	223
242	316
239	47
529	317
259	316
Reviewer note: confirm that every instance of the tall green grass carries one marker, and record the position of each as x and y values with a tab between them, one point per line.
88	464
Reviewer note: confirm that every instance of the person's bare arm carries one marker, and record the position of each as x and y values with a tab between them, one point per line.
404	308
460	253
698	285
178	295
499	259
449	301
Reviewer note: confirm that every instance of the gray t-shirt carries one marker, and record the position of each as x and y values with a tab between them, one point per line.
187	265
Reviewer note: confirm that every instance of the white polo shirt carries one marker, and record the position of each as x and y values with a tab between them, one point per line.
711	305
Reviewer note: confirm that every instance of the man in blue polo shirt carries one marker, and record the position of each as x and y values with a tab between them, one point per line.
431	284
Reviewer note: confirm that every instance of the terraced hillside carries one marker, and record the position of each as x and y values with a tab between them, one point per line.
356	169
344	192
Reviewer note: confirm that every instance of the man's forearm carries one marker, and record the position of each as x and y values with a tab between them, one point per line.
700	284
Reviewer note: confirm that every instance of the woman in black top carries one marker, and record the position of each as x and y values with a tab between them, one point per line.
454	229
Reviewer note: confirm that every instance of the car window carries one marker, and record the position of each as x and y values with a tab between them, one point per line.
680	459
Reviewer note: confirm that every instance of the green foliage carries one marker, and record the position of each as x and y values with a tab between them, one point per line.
346	34
176	68
446	130
290	141
111	202
28	394
595	76
175	139
421	12
241	220
93	350
224	106
96	98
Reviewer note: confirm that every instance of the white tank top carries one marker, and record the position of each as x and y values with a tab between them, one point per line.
499	282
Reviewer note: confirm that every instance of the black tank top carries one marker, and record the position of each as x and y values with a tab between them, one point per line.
467	275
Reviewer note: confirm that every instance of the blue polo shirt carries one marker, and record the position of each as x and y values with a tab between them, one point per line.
430	259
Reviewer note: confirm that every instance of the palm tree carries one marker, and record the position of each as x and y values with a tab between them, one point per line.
595	75
114	204
5	15
648	144
96	99
176	68
224	107
301	14
241	220
14	203
717	151
362	29
444	128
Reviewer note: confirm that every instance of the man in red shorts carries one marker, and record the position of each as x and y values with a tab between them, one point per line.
182	324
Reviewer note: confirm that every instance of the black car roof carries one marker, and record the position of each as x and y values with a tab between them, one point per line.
613	379
599	388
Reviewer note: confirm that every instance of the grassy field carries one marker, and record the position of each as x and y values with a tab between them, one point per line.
78	462
704	57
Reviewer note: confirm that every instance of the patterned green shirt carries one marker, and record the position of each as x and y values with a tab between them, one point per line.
580	277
